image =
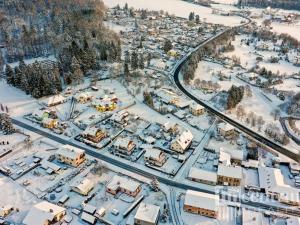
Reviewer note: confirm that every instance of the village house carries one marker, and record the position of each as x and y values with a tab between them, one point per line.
229	175
124	146
70	155
54	100
201	203
124	185
182	142
5	210
271	181
155	157
40	115
83	187
104	105
83	97
147	214
196	109
226	130
94	134
50	123
170	126
202	176
44	213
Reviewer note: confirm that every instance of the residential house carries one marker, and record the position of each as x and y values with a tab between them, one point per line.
84	97
44	213
147	214
271	181
124	146
155	157
201	203
83	187
54	100
70	155
226	130
125	185
94	134
182	142
50	123
229	175
196	109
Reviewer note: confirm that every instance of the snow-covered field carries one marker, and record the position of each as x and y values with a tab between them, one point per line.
178	8
16	100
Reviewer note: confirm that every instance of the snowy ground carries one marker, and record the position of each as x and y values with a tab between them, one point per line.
178	8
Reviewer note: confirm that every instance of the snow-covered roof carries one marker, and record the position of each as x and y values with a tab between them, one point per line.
230	171
169	125
234	153
147	213
225	126
122	142
152	153
270	177
196	106
224	158
41	213
202	200
88	218
45	164
70	151
184	139
90	131
202	174
84	186
123	182
53	100
89	209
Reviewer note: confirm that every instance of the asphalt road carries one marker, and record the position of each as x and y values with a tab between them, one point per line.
219	114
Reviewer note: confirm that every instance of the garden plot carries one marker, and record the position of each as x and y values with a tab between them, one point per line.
39	181
20	162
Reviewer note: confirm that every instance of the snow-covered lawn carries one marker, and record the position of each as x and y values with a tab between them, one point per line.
289	85
16	100
15	195
178	8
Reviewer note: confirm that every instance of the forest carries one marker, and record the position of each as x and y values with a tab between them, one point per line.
70	30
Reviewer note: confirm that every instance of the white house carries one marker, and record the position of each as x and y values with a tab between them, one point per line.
182	142
83	187
155	157
147	214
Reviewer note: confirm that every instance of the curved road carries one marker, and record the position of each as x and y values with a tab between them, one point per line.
169	181
250	132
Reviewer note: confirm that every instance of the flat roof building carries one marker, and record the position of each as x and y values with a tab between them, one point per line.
203	176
